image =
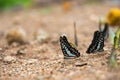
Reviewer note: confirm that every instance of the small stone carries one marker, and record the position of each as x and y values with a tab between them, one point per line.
80	64
21	51
9	59
93	17
17	35
42	77
1	49
31	61
41	35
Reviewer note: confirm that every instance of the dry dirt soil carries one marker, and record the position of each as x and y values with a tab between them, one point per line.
44	60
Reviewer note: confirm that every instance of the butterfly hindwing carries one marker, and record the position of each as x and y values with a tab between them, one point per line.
68	50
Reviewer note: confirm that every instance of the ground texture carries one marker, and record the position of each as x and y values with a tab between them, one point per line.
44	60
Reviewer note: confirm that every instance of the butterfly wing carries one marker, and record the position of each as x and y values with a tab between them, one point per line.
112	35
100	42
106	31
68	50
92	46
97	43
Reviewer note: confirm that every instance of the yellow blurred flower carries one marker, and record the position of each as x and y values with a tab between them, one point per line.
113	17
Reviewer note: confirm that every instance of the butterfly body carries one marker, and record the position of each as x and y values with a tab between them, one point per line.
68	50
97	43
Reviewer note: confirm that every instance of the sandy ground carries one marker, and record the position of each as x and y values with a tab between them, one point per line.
44	61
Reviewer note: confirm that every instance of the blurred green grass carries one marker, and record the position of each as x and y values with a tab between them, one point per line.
9	4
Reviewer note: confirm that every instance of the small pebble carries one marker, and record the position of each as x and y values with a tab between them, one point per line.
41	35
21	51
43	77
31	61
17	35
80	64
1	49
9	59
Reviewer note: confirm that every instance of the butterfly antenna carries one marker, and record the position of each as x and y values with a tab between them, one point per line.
75	35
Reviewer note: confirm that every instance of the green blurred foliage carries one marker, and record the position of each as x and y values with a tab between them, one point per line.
112	62
9	4
94	1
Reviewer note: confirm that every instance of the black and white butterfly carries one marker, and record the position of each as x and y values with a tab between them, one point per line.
105	31
97	44
68	50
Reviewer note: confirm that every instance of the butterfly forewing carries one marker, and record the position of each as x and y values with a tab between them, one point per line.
106	31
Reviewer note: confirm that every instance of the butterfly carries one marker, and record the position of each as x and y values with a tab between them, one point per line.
105	31
68	50
97	43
